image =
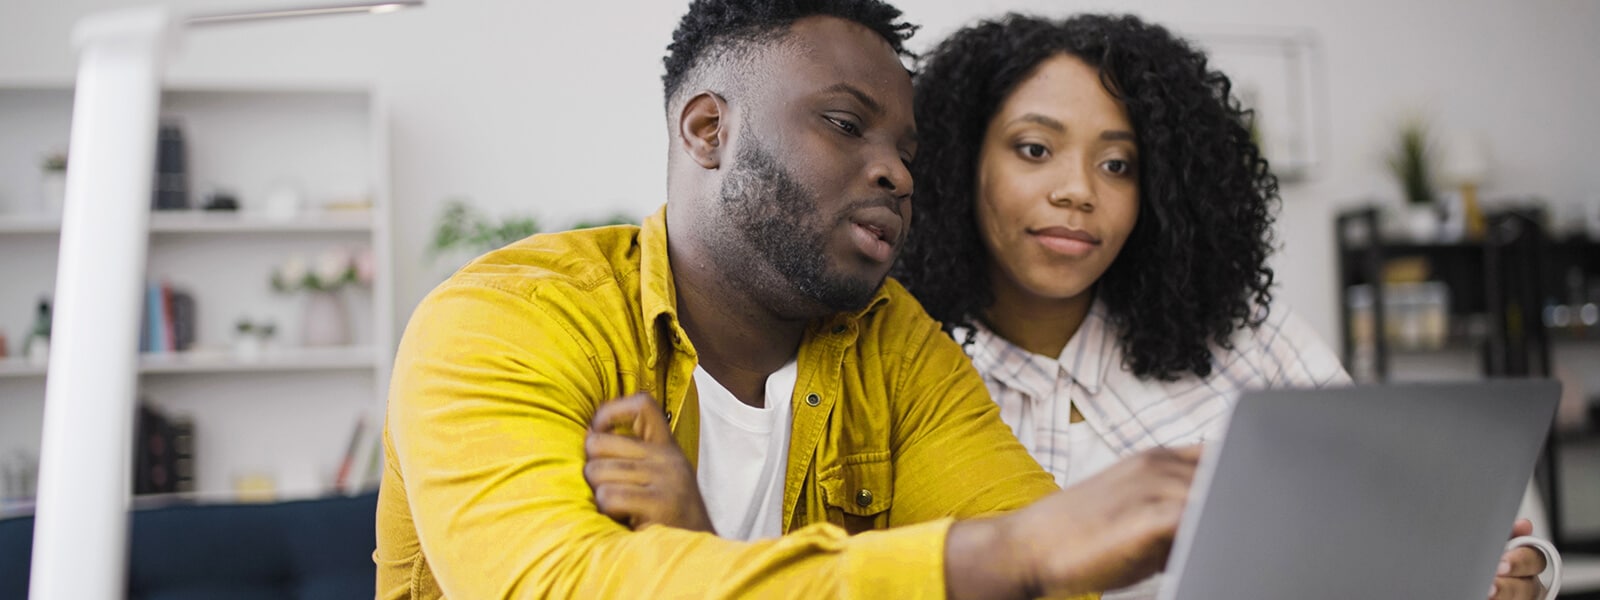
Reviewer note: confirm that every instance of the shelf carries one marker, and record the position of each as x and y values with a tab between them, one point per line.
22	223
211	222
19	367
224	361
1580	573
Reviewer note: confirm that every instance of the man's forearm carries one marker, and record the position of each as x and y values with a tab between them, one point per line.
980	563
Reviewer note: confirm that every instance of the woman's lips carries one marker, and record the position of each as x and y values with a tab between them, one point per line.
1067	241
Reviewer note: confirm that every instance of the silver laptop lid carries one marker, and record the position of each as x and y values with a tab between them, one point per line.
1404	491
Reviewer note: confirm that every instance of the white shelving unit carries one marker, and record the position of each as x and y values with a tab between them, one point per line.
287	412
211	222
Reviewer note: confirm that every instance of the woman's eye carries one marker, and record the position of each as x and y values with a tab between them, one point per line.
845	125
1034	151
1119	167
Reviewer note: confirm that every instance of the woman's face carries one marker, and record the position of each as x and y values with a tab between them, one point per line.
1058	185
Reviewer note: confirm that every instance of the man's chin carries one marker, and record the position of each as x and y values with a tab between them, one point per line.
848	294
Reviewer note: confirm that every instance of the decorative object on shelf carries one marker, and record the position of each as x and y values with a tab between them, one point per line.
172	168
53	183
1464	166
37	347
222	200
255	486
19	477
464	232
251	339
347	202
1591	219
324	321
283	200
1411	163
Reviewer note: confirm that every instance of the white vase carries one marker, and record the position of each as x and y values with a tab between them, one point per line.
53	192
324	320
1422	223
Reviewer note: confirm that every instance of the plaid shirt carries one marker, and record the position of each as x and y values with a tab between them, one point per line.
1128	413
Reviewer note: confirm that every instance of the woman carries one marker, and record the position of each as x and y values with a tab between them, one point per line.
1092	222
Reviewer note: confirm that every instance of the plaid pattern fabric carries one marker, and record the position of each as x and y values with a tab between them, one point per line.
1130	414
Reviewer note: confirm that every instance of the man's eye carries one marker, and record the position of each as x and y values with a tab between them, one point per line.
845	125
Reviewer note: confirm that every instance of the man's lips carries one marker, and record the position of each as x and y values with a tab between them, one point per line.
878	231
881	221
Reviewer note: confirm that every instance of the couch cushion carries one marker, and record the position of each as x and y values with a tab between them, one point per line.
308	550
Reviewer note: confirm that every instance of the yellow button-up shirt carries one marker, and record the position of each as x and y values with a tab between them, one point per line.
504	364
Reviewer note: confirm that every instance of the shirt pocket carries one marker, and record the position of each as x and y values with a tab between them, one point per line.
859	491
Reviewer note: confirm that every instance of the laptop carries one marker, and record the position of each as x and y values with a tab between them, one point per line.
1397	491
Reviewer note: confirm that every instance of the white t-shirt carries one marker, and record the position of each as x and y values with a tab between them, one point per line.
744	453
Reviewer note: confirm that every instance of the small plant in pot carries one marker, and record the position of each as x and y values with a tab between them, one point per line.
1411	162
53	183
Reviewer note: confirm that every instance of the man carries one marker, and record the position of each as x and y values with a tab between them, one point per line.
822	399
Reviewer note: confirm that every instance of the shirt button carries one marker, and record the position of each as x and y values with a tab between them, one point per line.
669	416
813	399
864	498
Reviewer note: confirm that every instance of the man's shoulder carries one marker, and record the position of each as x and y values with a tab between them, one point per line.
898	325
578	261
894	306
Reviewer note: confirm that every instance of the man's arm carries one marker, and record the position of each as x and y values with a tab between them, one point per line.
490	405
955	457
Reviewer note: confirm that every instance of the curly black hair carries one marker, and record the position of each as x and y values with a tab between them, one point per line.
1193	270
712	27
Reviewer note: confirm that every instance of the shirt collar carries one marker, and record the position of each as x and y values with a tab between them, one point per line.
1084	358
657	295
1088	354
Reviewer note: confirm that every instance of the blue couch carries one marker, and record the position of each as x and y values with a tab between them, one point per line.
303	550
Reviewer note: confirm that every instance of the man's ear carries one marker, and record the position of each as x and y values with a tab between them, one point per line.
701	131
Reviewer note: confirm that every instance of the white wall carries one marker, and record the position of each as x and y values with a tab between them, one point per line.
554	108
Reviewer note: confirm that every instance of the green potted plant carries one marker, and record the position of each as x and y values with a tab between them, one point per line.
53	183
1411	161
464	232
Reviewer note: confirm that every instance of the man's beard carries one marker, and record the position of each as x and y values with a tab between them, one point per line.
779	220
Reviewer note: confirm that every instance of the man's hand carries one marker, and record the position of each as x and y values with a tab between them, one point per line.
1109	531
639	475
1518	575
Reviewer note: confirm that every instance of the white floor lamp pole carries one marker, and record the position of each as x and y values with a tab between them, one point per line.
85	462
84	465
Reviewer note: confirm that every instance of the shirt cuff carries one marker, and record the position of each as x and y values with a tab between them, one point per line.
903	562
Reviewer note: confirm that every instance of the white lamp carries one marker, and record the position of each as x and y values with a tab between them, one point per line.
80	529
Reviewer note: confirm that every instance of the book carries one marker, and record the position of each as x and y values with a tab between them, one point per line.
183	320
341	481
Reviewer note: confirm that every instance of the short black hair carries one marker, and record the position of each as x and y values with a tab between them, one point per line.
713	26
1192	272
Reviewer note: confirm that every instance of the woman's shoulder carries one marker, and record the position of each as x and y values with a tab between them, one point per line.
1283	349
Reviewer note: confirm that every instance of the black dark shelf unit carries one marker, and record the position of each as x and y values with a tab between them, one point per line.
1504	281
